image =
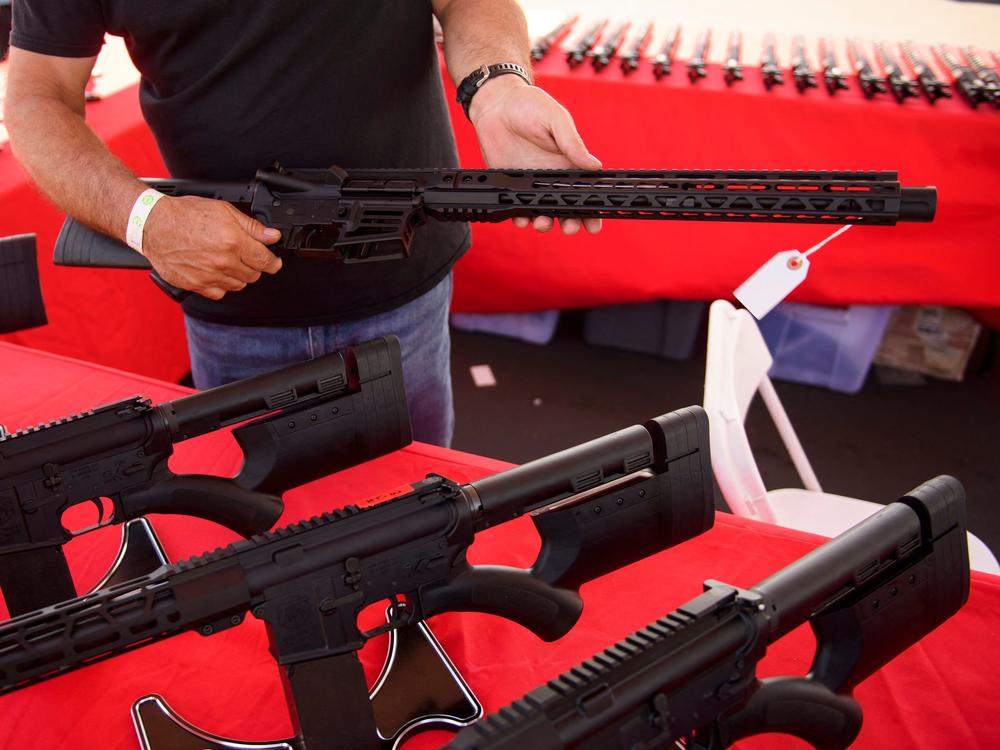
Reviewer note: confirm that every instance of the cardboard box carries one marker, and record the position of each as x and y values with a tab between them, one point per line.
929	339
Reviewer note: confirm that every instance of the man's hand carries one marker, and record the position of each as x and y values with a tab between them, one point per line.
521	126
207	246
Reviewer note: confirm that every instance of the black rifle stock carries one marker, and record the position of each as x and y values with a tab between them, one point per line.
309	420
369	214
597	506
690	677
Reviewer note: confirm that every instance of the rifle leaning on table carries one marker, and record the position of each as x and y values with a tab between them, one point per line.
369	214
689	679
309	420
597	507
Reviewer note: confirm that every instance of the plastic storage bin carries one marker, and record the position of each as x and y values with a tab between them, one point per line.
667	328
533	327
826	346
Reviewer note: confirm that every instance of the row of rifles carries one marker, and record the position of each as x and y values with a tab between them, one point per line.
972	73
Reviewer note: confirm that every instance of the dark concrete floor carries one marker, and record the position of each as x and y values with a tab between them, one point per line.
875	445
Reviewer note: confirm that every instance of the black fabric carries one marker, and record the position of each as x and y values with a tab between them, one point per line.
229	86
5	16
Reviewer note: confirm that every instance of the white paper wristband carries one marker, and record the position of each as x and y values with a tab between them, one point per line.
137	217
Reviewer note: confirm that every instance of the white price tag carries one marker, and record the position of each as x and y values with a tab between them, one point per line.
776	279
772	282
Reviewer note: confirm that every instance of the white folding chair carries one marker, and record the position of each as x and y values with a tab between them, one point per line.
736	368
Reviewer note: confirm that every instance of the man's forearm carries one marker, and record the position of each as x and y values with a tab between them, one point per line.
483	32
67	161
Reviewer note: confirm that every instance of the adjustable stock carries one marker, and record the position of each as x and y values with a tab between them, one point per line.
877	621
599	528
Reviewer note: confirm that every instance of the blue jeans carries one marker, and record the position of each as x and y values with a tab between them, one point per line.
223	353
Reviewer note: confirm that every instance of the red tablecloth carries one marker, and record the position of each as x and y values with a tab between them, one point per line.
937	694
112	317
635	121
119	319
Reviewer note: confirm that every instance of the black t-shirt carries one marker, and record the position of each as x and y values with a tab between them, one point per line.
230	86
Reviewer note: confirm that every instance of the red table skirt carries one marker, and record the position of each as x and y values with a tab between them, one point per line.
937	694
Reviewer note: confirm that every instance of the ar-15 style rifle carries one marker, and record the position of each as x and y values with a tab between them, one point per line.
770	70
969	86
833	75
732	69
802	72
370	214
630	60
365	215
986	74
901	86
870	82
601	55
932	86
309	420
21	304
689	679
665	57
541	46
584	44
597	507
699	58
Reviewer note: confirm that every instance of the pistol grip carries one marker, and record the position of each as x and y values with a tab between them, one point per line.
511	593
797	706
213	498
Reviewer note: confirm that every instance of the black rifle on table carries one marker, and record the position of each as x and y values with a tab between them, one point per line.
597	507
541	46
833	75
963	78
370	214
21	303
802	72
309	420
870	82
665	57
699	58
630	60
601	55
932	86
689	679
770	70
900	85
584	44
732	69
986	74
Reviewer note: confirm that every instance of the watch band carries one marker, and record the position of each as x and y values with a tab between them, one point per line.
472	82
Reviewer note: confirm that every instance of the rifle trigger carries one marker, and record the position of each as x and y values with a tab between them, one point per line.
397	615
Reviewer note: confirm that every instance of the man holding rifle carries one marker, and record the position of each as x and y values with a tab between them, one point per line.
229	88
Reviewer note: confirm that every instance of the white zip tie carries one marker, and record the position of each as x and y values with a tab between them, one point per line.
820	244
